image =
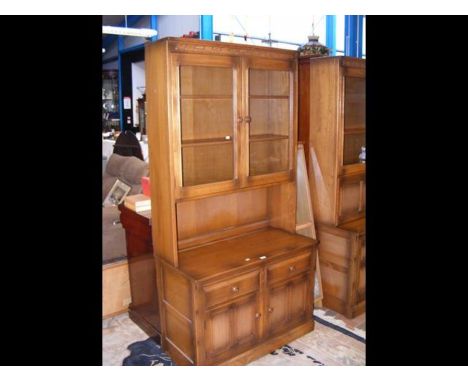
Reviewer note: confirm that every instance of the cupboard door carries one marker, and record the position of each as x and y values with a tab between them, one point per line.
289	303
205	104
354	118
231	328
269	119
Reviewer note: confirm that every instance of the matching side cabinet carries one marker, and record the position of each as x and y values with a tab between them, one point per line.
333	129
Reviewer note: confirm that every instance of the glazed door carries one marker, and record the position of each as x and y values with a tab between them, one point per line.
354	118
231	328
288	303
269	91
205	108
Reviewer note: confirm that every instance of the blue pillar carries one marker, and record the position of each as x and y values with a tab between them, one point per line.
331	34
154	25
120	48
353	35
206	27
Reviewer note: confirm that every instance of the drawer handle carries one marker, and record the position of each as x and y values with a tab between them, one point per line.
235	289
258	315
292	268
270	309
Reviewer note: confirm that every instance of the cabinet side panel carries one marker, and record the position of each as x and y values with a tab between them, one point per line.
160	152
304	108
325	117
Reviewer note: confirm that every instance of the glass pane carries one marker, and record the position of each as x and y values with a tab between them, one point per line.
207	163
205	80
268	156
352	147
269	82
270	118
207	124
355	103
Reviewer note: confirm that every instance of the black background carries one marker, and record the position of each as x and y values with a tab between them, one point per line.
51	262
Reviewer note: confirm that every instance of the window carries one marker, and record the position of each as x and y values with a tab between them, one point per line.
287	32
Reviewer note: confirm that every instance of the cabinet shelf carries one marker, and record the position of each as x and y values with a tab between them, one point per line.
207	97
267	137
205	142
357	129
268	97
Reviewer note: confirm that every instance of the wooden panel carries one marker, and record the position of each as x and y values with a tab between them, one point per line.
218	331
206	118
177	291
282	206
288	268
324	111
179	332
202	216
304	109
352	199
159	125
299	298
232	288
205	80
115	289
277	309
361	283
231	328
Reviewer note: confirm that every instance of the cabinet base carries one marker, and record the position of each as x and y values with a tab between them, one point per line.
145	325
270	345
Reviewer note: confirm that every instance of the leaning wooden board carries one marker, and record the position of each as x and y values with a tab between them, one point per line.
304	216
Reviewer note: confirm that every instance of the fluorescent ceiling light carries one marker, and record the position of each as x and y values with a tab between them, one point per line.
136	32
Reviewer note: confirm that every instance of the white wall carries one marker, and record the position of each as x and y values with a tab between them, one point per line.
138	80
176	26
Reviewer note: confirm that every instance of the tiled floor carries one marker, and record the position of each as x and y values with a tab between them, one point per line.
324	345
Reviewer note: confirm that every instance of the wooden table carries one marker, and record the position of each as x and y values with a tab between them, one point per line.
144	309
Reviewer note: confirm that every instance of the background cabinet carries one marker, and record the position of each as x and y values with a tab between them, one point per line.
222	132
332	127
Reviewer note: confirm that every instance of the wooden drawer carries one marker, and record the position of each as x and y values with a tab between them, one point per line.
232	288
288	268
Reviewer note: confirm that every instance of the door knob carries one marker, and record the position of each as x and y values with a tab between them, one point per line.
292	268
235	289
270	309
258	315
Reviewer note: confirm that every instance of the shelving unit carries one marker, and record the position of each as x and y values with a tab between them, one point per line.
234	279
333	129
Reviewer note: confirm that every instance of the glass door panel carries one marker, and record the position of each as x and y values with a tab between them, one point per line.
354	119
207	124
355	103
352	147
269	109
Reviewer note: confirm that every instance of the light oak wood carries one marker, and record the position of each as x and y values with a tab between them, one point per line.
115	289
223	152
305	224
332	128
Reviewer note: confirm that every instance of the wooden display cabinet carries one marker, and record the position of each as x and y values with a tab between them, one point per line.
234	280
332	127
